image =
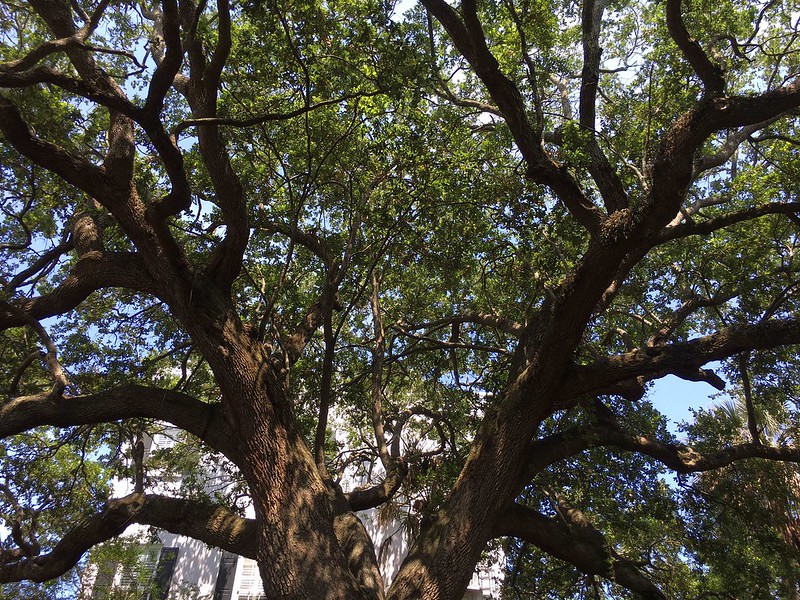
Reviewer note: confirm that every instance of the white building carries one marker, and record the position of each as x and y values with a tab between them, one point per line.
182	568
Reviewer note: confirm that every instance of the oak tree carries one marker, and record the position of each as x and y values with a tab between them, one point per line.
445	249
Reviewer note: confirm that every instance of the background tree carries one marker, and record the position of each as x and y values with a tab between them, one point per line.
467	239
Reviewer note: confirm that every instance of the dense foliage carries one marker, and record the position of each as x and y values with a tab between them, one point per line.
443	248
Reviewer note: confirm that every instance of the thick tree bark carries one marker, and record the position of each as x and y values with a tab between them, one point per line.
299	553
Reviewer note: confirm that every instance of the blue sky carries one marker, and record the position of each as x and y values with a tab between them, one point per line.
674	397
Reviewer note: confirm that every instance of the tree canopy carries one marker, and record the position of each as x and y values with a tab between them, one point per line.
446	248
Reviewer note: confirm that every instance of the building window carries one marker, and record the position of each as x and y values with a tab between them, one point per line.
147	577
167	438
251	587
138	575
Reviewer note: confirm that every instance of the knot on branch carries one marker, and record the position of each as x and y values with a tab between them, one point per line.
617	226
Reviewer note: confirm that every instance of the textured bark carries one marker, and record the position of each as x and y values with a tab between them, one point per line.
298	551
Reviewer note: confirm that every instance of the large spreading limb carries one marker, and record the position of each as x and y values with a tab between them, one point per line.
205	421
574	539
468	36
742	111
92	272
167	72
201	93
74	169
686	459
688	228
15	78
673	166
214	525
380	493
607	432
683	359
169	64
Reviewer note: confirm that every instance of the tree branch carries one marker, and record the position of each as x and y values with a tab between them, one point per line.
325	390
678	457
683	359
118	162
294	345
205	421
27	362
577	542
742	111
371	497
211	76
45	74
92	272
709	73
468	37
214	525
179	196
376	387
687	228
77	39
439	344
485	319
50	355
358	549
607	180
687	307
27	547
226	260
266	117
74	169
169	66
307	239
673	166
685	459
752	424
47	259
728	148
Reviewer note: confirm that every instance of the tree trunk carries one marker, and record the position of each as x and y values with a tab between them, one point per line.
440	564
299	555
